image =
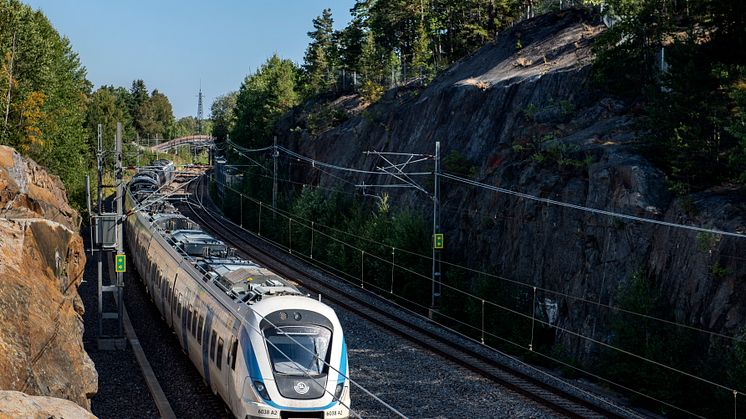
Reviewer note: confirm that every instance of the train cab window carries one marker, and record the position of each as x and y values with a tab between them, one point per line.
213	340
234	349
219	360
306	346
199	329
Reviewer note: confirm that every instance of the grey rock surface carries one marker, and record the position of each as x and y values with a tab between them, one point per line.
530	120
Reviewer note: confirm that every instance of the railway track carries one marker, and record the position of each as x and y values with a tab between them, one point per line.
204	212
182	384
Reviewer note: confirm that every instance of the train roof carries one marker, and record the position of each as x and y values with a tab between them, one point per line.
242	280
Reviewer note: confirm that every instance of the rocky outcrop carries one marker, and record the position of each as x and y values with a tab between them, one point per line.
524	112
14	404
41	265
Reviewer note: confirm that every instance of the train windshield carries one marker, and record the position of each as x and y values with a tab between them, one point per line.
298	350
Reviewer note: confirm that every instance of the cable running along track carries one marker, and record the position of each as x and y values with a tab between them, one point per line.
549	396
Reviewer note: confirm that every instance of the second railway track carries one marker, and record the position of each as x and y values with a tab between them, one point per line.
552	397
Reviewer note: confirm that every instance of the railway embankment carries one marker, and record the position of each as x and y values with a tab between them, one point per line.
42	259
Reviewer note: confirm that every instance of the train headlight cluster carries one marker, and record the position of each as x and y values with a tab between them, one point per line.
338	390
261	389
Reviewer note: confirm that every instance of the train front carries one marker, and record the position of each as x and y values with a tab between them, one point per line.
296	358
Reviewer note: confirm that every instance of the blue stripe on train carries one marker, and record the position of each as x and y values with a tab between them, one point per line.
343	363
256	375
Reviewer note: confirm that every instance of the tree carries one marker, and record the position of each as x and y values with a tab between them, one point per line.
322	54
223	115
136	101
263	98
156	117
105	107
45	95
350	42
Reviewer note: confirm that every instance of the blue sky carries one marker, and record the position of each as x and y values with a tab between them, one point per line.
173	44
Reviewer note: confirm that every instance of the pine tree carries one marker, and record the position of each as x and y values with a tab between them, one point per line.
322	55
137	99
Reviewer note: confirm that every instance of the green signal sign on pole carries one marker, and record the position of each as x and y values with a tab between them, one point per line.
121	263
438	241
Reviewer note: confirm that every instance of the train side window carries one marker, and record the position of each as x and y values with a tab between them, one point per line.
194	324
220	352
234	349
213	341
199	329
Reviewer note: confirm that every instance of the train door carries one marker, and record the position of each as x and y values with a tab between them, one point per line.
198	322
172	302
184	335
211	350
162	292
230	382
218	367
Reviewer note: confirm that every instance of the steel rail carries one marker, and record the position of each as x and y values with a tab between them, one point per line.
534	389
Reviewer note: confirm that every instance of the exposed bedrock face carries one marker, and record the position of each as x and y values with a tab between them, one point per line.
14	404
530	120
41	265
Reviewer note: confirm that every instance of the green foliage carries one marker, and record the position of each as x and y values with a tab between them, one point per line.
718	271
44	89
388	41
188	125
107	106
262	99
371	91
455	163
693	94
707	241
322	55
325	116
223	115
156	118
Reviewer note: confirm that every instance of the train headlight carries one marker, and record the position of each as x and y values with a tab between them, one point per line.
261	389
338	390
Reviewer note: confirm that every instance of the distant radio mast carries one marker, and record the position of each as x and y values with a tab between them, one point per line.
199	111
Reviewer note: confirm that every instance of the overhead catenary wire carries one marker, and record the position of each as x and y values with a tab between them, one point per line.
355	383
579	335
388	406
589	209
612	214
551	202
320	226
315	261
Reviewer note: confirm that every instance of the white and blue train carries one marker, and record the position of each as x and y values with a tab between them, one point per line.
264	347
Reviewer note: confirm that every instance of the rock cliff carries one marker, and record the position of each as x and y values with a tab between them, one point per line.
41	265
524	113
14	404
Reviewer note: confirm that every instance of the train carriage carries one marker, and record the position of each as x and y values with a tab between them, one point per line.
268	350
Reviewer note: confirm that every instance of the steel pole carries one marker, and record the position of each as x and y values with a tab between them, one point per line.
275	154
120	221
436	285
